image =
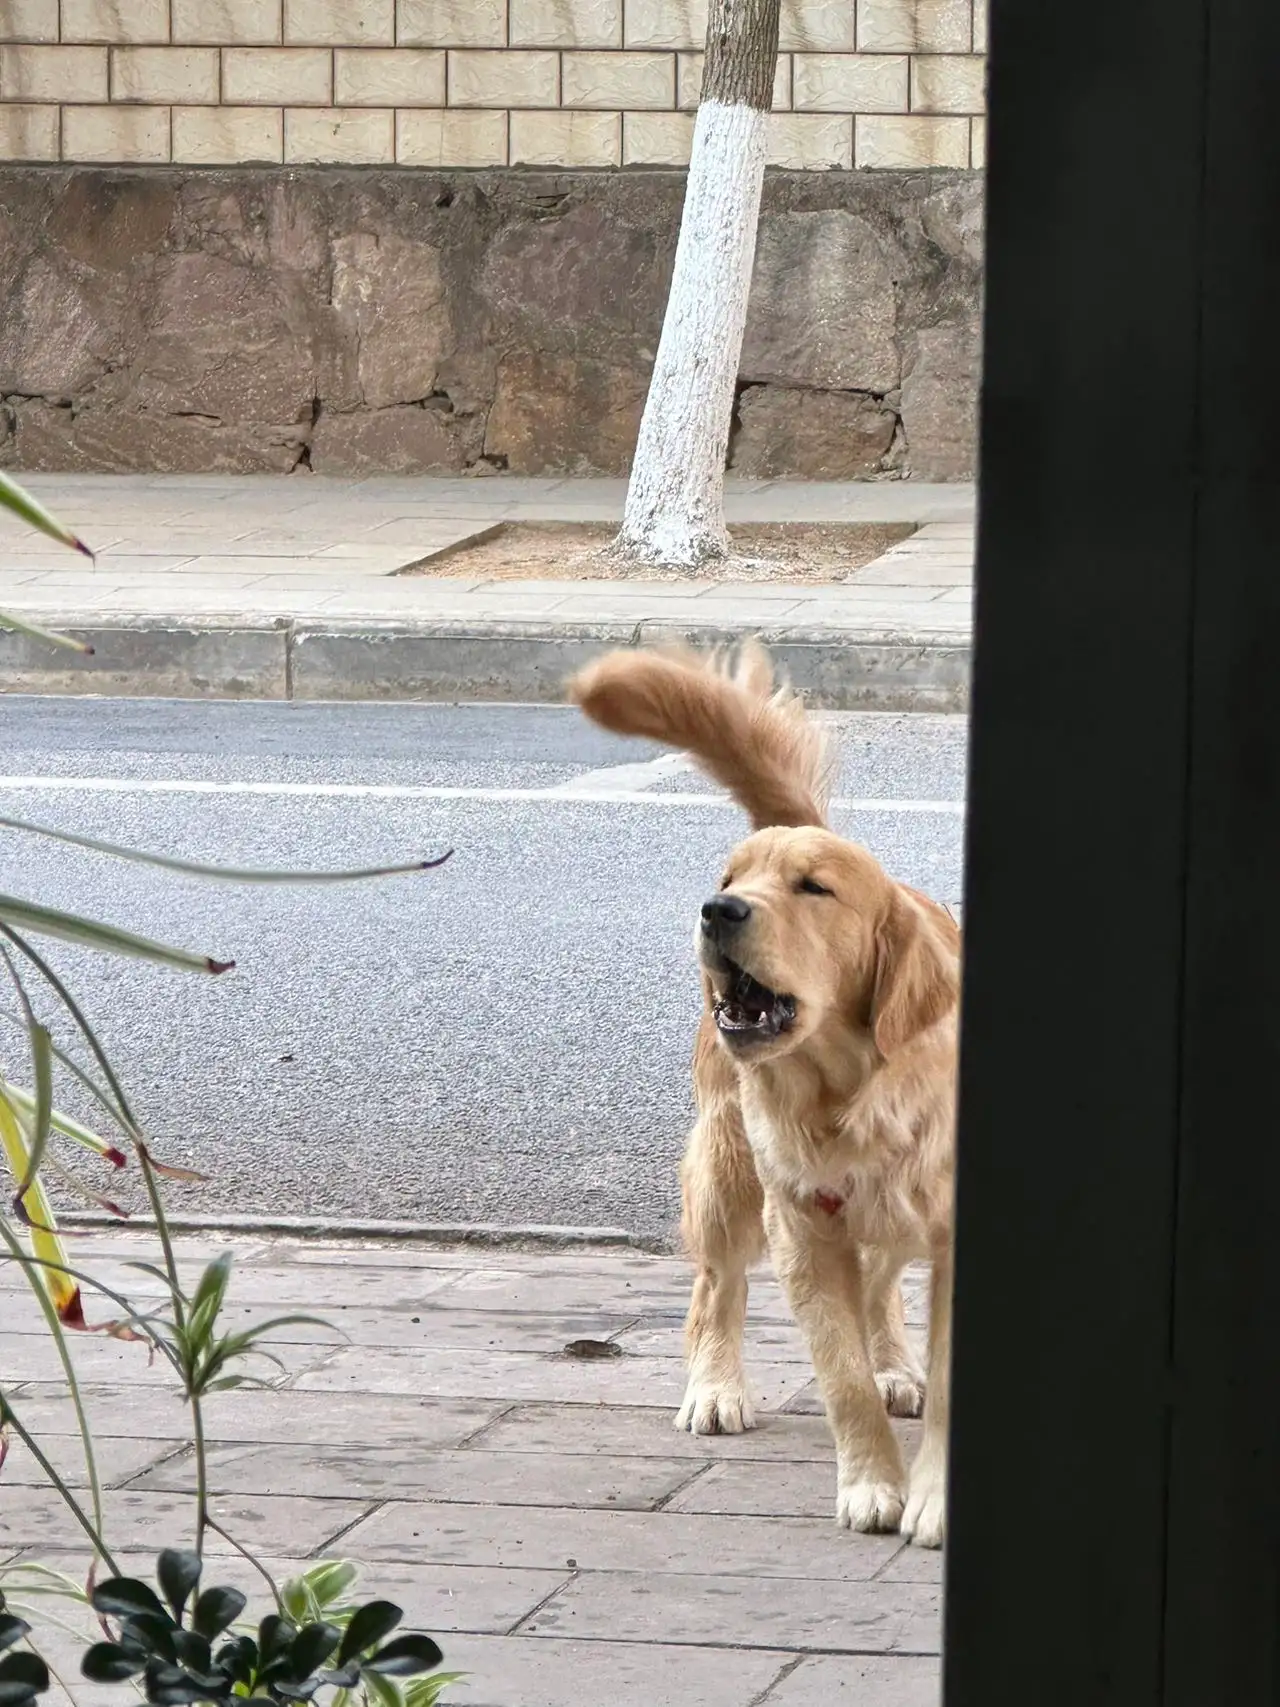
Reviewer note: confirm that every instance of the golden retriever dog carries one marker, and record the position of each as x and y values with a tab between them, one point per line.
825	1081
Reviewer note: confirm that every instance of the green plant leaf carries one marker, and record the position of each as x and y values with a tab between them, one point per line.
217	1610
177	1573
22	1678
126	1597
227	873
426	1691
12	1629
330	1581
311	1648
19	502
385	1691
108	1662
407	1656
369	1624
71	927
50	636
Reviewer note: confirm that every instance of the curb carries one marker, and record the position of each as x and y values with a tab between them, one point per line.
520	1235
838	668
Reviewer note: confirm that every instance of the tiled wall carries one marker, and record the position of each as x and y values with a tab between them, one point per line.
573	83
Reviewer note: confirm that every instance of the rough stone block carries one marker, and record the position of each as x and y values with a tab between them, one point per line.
53	73
349	136
566	23
539	401
823	308
451	23
616	81
948	83
340	23
810	141
915	26
914	142
656	139
808	26
978	142
115	20
29	132
566	139
454	138
227	136
519	78
388	77
850	83
238	22
834	435
277	76
391	293
29	20
111	135
941	368
185	75
665	23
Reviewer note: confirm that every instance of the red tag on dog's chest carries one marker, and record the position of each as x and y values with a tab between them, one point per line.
825	1201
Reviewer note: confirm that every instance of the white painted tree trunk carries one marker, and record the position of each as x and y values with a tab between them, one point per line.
674	512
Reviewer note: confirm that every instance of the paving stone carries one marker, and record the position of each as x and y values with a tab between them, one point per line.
271	1416
914	1565
298	1525
766	1612
119	1459
635	1286
857	1682
522	1375
587	1479
661	1541
648	1432
805	1489
765	1342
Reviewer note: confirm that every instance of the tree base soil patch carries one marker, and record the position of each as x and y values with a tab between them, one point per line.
579	551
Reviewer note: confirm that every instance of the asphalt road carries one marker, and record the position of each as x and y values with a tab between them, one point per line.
505	1039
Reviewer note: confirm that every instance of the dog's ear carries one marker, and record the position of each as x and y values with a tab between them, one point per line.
916	979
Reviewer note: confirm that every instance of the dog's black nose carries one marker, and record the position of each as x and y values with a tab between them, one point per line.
724	912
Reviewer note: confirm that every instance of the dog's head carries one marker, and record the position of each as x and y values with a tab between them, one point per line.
808	938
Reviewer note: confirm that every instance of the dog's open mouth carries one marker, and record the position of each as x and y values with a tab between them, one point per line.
749	1011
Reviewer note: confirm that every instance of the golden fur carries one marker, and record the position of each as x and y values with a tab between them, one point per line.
830	1141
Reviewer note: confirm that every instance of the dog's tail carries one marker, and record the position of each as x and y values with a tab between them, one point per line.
749	734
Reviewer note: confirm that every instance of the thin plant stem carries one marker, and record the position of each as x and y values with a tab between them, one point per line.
245	1554
36	1282
73	1505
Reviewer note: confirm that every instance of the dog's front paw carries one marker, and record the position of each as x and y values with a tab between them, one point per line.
871	1507
925	1519
902	1391
712	1407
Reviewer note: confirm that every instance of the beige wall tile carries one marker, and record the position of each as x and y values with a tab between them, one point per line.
115	20
238	22
656	139
977	142
911	142
28	133
566	23
616	81
690	81
53	74
227	136
277	76
453	138
566	139
665	23
28	20
948	83
816	25
116	135
810	141
915	26
850	83
513	79
340	23
157	74
451	23
388	77
349	136
980	26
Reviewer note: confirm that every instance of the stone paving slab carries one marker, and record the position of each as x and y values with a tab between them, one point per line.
539	1514
288	587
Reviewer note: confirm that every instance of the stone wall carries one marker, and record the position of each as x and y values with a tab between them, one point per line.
410	322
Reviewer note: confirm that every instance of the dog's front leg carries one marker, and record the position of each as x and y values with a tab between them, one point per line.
822	1274
925	1518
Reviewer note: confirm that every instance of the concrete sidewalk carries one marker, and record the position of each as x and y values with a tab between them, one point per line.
293	587
532	1509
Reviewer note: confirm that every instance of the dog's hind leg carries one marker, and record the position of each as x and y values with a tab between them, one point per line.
899	1373
723	1234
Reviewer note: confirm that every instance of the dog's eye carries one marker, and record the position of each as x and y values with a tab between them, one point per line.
726	880
810	886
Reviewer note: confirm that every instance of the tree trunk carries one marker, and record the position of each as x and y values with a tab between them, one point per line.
675	502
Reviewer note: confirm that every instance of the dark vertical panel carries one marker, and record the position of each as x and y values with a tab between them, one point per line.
1076	856
1224	1509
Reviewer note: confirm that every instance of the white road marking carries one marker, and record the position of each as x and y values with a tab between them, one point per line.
627	779
581	791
